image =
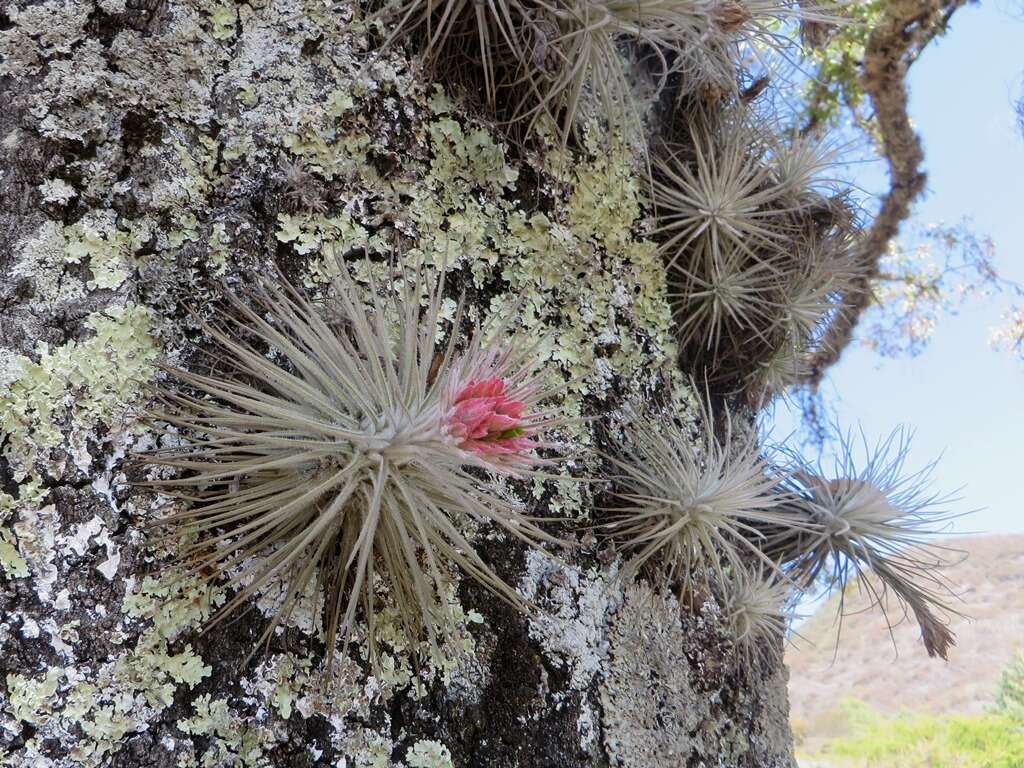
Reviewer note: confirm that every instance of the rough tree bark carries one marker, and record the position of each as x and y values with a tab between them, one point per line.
150	149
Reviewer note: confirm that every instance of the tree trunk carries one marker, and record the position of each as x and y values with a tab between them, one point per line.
153	150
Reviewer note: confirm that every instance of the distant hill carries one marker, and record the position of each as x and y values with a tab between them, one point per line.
867	667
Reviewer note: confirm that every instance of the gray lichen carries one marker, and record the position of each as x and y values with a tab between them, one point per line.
670	695
651	709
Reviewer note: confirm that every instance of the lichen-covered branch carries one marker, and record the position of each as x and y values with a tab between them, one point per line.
904	29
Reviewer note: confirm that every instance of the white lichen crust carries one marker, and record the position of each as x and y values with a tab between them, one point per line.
667	691
149	151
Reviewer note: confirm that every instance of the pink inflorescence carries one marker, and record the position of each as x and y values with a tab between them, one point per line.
488	422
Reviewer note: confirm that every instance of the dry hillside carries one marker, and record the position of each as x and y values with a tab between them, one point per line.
870	668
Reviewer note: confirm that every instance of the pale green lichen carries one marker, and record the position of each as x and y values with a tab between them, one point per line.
233	740
119	698
219	242
173	604
223	18
91	382
309	233
34	534
107	248
589	282
329	149
468	156
13	564
124	693
428	754
41	258
399	668
367	748
31	699
604	205
290	675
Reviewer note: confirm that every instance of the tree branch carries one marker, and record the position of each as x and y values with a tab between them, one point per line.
905	28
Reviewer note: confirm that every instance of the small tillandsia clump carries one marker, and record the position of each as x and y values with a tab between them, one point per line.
346	451
758	246
755	602
696	507
873	526
547	60
567	59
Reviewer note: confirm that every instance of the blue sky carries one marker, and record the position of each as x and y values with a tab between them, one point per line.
963	399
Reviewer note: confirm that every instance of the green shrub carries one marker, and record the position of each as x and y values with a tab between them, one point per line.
992	740
1010	694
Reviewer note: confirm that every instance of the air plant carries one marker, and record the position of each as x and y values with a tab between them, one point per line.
585	53
733	188
756	242
754	602
722	307
806	303
301	191
485	32
873	526
714	195
695	507
547	58
788	365
745	40
802	164
544	58
335	449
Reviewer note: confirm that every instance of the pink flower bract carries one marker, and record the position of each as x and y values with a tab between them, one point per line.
486	421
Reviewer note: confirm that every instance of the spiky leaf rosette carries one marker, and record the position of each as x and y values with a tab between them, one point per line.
754	603
583	57
756	242
718	192
691	506
546	59
689	45
873	526
483	32
333	450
